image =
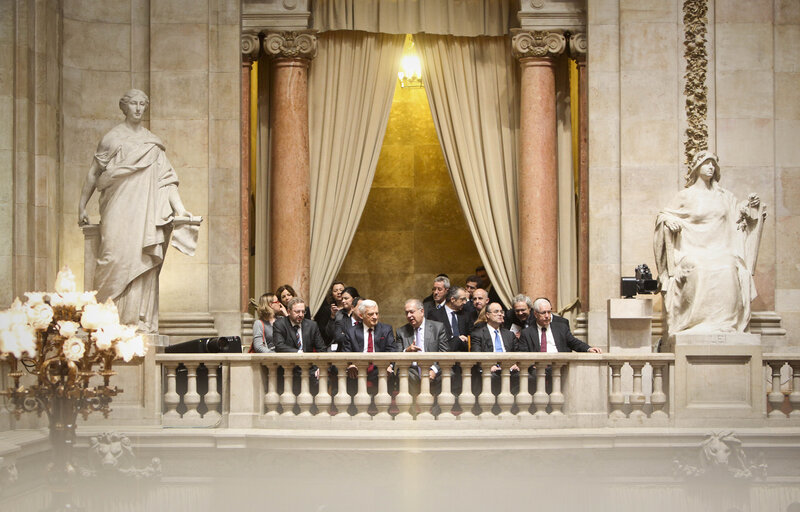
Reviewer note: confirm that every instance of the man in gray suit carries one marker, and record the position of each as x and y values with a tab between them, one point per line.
421	335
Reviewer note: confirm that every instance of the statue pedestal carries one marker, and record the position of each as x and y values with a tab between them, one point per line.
718	376
629	325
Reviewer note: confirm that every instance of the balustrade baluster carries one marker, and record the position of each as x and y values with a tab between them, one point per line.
615	398
776	396
212	398
467	398
486	398
362	398
271	397
505	400
540	397
403	398
524	397
192	398
425	398
794	396
446	398
383	400
323	398
556	396
171	397
287	397
637	396
304	399
342	399
658	399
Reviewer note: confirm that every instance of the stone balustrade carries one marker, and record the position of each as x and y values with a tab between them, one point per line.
783	393
565	390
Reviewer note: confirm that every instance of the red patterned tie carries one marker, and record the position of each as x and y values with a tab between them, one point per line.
543	344
370	345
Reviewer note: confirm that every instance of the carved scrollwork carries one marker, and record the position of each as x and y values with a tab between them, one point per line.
537	44
578	46
251	46
291	45
694	21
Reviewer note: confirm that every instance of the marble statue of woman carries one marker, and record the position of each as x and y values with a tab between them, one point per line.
139	207
706	246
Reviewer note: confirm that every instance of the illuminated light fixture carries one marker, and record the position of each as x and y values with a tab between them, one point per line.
410	74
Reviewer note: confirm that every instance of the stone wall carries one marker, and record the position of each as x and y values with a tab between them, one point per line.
412	227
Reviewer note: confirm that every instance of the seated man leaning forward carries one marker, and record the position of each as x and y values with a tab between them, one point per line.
420	335
295	333
494	337
369	335
550	333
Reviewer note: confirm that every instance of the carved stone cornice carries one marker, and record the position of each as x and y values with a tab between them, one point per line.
251	46
537	43
291	45
578	46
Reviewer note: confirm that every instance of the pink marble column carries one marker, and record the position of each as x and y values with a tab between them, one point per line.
290	210
578	46
538	171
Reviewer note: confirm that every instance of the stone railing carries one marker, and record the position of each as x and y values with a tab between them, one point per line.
553	390
783	394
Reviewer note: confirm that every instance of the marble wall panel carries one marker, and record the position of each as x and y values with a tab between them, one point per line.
186	140
7	124
787	12
603	12
606	151
107	11
224	95
187	92
745	142
648	46
605	48
183	286
109	43
744	93
180	11
223	191
787	191
743	46
223	283
787	133
652	142
787	96
224	231
648	95
743	11
80	141
642	11
178	47
225	139
787	43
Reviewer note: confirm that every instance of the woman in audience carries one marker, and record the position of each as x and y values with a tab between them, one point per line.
286	293
330	306
343	318
275	304
262	327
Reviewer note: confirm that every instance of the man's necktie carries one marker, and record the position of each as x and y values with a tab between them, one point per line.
454	323
370	345
543	344
498	345
297	337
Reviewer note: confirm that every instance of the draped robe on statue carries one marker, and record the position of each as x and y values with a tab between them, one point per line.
135	222
705	268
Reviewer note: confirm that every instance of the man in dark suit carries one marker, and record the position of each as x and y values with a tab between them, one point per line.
420	335
456	322
438	296
295	333
520	315
494	337
367	336
550	333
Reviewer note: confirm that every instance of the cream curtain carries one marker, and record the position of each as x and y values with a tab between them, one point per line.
471	85
455	17
350	90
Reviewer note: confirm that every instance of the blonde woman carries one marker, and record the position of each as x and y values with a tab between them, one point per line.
262	327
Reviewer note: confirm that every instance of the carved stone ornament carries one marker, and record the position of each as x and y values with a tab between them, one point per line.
291	45
694	22
251	46
112	454
721	456
538	43
578	46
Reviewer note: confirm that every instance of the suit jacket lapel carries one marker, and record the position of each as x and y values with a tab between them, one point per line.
508	339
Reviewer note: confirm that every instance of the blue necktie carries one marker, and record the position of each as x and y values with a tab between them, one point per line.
454	324
498	345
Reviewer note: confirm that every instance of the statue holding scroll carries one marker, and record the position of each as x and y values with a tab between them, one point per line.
140	210
706	247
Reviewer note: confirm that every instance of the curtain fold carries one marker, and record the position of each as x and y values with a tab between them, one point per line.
455	17
472	89
350	90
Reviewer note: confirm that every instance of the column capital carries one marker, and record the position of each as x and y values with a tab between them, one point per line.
251	46
301	44
537	43
578	46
